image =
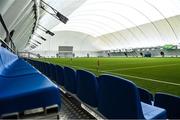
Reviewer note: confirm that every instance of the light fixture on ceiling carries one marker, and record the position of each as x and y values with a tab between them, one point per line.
36	41
56	13
45	30
37	35
30	42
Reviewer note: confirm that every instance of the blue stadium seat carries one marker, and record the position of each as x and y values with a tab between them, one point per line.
48	70
35	64
52	72
119	99
59	75
22	87
6	58
145	96
45	68
40	66
70	80
27	92
17	68
169	102
87	87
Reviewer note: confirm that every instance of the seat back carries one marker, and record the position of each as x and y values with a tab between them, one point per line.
19	68
59	75
52	72
40	66
43	67
118	98
170	103
6	59
87	87
48	70
145	96
23	87
70	81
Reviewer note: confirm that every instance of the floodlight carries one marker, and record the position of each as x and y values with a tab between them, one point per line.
56	13
37	35
45	30
37	41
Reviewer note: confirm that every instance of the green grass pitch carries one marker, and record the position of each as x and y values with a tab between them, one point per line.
154	74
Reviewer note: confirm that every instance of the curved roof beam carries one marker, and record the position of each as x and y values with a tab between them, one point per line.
153	6
103	26
91	29
125	18
118	22
93	23
130	7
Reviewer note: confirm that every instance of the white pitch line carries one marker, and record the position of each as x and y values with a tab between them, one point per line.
142	67
83	68
146	79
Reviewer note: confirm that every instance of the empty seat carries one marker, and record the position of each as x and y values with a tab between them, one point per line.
22	87
17	68
45	68
169	102
40	66
48	70
35	64
70	82
119	99
52	72
59	75
145	96
6	59
27	92
87	87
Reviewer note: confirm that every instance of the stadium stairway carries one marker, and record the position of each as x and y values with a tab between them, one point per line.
109	96
23	88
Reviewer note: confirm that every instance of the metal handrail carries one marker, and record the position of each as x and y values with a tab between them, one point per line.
12	46
7	46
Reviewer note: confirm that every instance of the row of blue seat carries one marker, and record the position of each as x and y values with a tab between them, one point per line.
115	97
22	87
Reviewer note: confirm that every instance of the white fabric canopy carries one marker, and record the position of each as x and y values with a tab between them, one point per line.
98	17
117	24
